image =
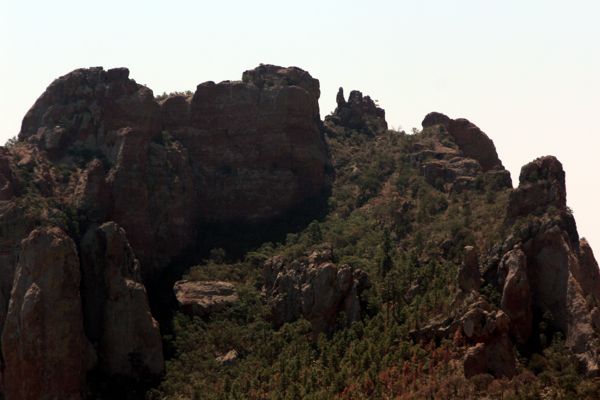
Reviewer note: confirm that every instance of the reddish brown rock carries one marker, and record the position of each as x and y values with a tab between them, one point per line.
453	162
472	141
516	293
203	298
587	272
495	357
86	107
313	288
46	354
551	263
541	185
359	113
246	152
116	312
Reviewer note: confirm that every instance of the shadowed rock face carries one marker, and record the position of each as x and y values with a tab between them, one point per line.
45	351
549	273
245	151
116	314
97	147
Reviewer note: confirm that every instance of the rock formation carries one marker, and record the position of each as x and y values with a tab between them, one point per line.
98	154
203	298
472	141
45	351
455	155
313	288
116	315
359	113
544	272
245	151
109	188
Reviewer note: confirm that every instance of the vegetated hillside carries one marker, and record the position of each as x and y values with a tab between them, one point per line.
423	273
424	223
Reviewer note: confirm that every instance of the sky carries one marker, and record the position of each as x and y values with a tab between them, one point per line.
526	72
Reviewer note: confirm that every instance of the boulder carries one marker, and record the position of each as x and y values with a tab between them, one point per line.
45	351
116	312
228	358
203	298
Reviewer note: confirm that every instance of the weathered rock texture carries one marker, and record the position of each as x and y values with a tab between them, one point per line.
492	351
542	185
359	113
542	272
116	312
244	151
97	147
472	141
546	273
46	353
455	155
313	288
203	298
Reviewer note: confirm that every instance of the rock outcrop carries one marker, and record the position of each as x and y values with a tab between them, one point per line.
245	151
97	147
541	185
313	288
516	293
455	155
546	273
203	298
359	113
472	141
45	351
116	313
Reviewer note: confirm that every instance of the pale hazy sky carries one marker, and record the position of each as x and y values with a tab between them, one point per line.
526	72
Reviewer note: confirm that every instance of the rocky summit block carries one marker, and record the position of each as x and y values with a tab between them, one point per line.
243	152
472	141
541	185
358	114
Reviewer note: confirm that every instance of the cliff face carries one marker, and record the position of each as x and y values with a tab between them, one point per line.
244	151
129	182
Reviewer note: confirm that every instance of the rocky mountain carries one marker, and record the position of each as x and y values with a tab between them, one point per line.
228	243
